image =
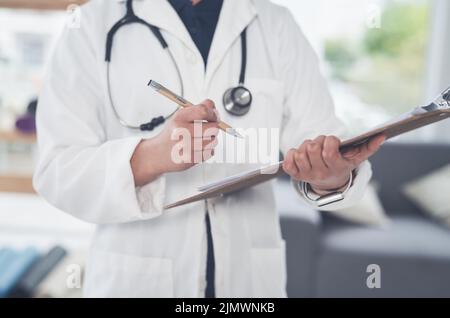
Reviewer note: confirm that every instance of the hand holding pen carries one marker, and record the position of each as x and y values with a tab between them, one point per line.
180	101
188	138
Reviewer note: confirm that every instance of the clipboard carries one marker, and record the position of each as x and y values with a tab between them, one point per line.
419	117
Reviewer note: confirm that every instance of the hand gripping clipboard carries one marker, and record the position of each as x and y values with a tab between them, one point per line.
415	119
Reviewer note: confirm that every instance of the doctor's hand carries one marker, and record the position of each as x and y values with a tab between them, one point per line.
185	141
320	163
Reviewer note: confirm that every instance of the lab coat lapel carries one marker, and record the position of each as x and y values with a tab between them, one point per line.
235	16
162	15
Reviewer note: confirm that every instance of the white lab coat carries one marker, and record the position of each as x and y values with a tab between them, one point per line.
139	249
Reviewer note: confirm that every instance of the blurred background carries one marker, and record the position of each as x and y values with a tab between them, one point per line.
381	58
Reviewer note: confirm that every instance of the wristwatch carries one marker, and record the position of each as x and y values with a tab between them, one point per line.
304	189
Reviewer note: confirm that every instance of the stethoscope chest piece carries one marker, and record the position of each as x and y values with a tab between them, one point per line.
237	100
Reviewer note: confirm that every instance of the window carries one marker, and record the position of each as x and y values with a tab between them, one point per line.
373	54
26	39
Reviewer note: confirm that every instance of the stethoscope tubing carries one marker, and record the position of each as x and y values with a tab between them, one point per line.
232	103
113	106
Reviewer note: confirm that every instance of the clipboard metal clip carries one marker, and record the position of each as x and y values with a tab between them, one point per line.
441	102
446	95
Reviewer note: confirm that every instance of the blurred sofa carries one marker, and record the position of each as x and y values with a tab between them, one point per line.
328	257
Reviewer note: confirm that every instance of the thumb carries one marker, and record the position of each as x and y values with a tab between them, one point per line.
363	152
375	143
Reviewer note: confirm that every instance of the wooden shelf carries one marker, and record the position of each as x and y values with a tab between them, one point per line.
39	4
17	137
16	184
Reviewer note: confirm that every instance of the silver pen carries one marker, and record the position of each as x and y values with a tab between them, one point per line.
184	103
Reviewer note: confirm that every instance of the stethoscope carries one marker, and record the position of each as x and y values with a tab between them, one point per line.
236	100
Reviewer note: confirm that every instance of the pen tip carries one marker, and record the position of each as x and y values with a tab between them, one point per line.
234	133
154	85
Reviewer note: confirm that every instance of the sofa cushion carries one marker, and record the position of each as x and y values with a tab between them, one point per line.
413	254
429	193
404	235
397	164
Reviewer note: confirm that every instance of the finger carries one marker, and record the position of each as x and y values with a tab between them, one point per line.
200	130
375	143
302	161
350	153
289	165
197	113
211	109
208	154
210	130
203	149
209	144
301	158
303	146
330	153
199	145
209	103
372	147
320	139
367	150
314	151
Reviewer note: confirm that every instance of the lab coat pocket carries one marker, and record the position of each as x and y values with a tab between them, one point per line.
112	275
269	271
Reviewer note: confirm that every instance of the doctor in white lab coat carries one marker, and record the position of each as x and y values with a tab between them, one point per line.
102	172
